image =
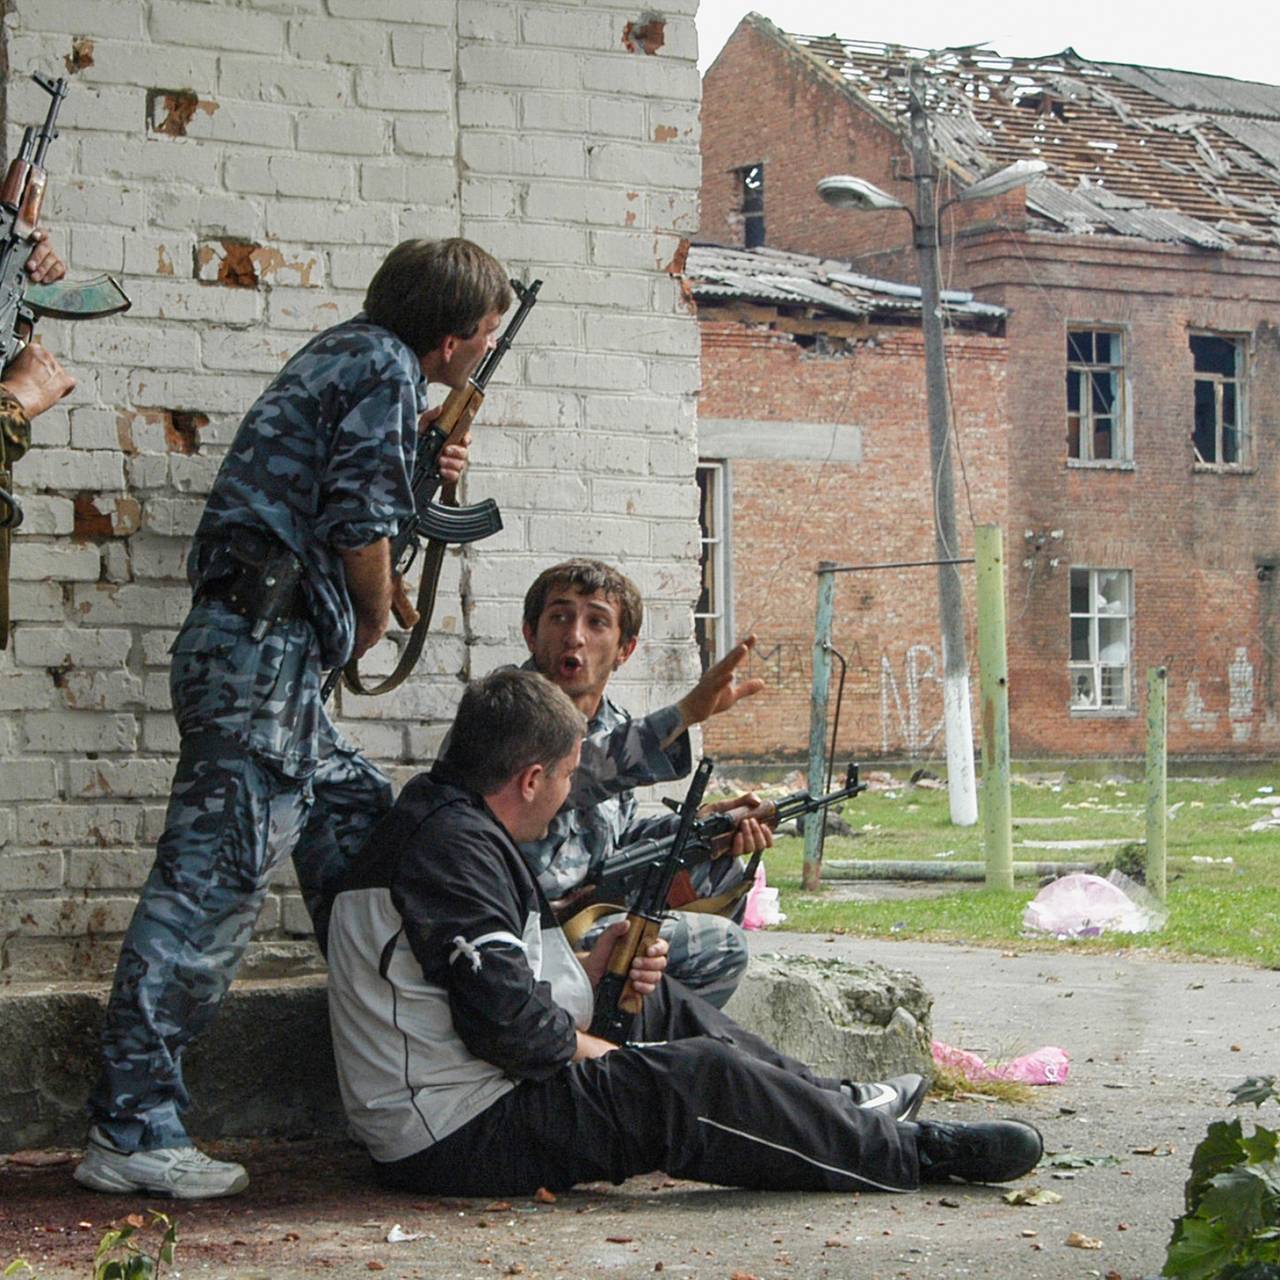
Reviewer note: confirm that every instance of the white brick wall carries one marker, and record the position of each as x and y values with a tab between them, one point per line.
324	131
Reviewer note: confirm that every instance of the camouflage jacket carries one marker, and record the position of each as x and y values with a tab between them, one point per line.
323	460
600	814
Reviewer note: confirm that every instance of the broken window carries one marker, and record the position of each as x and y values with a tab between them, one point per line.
711	613
1097	427
1221	434
1101	618
752	183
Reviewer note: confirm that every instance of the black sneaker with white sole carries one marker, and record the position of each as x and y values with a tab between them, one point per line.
990	1151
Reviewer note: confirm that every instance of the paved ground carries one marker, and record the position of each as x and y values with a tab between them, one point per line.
1154	1048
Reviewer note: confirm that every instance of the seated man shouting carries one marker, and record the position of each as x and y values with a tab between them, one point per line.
458	1011
581	622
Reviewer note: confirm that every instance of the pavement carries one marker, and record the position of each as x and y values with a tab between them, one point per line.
1154	1048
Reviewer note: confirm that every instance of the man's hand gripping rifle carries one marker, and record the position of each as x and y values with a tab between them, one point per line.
443	523
617	1004
623	877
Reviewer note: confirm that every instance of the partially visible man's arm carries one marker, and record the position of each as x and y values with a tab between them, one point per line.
368	571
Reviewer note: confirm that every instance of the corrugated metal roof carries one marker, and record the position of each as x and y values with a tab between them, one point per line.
798	280
1133	151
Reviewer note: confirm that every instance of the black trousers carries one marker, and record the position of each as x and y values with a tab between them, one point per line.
710	1102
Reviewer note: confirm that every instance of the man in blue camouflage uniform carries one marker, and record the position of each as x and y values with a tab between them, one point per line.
581	622
319	471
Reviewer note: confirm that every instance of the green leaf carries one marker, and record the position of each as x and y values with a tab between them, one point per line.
1237	1201
110	1271
139	1267
18	1264
1256	1089
1261	1145
1199	1250
1222	1148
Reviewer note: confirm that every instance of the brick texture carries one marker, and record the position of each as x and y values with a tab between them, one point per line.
244	169
1197	541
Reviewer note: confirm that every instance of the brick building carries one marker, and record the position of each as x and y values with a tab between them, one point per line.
1141	364
243	167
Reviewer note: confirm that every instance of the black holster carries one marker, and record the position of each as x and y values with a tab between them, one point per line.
265	582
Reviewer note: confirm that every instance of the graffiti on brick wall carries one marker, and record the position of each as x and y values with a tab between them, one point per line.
1240	695
906	704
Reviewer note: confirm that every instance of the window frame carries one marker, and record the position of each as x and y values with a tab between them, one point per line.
1094	664
1122	416
750	205
714	549
1244	430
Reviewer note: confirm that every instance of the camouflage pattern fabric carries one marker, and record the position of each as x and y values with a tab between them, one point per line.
262	773
323	460
15	439
708	953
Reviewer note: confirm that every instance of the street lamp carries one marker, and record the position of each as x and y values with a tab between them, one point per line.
843	191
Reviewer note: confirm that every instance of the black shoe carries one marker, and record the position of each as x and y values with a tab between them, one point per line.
998	1151
900	1097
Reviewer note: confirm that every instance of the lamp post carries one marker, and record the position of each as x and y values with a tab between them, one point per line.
843	191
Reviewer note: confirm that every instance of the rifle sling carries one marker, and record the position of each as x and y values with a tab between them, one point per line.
719	904
432	563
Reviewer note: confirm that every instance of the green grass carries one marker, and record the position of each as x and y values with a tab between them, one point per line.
1220	910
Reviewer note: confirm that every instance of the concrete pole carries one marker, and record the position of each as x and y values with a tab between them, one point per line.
957	721
811	876
1157	780
993	697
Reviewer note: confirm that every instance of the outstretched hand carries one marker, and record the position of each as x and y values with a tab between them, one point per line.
719	689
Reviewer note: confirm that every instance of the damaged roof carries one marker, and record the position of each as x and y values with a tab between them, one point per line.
817	285
1134	151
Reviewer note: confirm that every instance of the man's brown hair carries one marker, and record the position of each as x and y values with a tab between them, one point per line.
507	721
428	290
588	577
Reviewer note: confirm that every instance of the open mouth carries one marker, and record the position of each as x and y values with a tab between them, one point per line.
570	665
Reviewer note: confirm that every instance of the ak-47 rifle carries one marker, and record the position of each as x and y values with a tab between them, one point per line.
617	1002
623	876
23	303
442	523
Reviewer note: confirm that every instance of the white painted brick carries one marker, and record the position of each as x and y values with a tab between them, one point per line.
652	414
656	335
6	818
159	733
380	180
24	691
353	268
46	514
664	500
674	377
301	309
156	646
201	392
324	40
118	110
622	161
247	124
164	299
391	90
427	222
592	371
211	26
291	175
343	132
115	562
430	49
155	557
130	604
156	695
550	156
36	602
612	116
194	474
625	250
71	646
79	731
640	77
72	469
27	780
101	690
519	406
604	535
490	63
96	824
69	917
122	779
97	249
134	158
574	27
435	12
150	472
377	741
122	19
52	429
133	344
483	108
269	80
492	23
607	289
173	517
432	136
674	540
108	868
30	871
261	352
674	457
319	221
214	214
128	62
531	242
54	562
94	202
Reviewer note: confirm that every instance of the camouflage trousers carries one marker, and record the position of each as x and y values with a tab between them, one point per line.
706	952
261	774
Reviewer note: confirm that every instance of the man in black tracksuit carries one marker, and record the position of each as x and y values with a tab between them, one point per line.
457	1008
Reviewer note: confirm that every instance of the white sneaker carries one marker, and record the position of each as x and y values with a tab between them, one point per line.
182	1172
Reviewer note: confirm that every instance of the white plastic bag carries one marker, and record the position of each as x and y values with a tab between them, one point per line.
1084	906
762	904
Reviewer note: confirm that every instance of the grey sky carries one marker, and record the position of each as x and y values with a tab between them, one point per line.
1241	40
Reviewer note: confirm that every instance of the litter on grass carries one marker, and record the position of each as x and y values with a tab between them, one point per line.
1084	906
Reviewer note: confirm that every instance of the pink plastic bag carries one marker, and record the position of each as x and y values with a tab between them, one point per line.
1048	1065
762	904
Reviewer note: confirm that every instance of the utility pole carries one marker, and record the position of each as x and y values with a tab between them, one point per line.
957	717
